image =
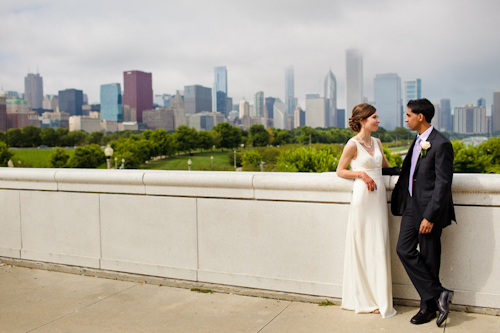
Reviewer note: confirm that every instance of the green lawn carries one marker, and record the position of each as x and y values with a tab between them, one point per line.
199	161
34	158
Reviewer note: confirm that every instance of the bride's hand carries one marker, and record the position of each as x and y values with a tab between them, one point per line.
370	183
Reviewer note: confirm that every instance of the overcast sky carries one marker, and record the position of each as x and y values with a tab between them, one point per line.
452	45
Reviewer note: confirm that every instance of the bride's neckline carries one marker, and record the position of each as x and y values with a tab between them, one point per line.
371	141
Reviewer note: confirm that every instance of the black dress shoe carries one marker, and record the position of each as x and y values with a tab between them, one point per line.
423	316
443	303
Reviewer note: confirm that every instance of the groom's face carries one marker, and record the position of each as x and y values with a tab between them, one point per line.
413	120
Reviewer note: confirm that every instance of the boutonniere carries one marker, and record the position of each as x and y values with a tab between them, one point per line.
424	146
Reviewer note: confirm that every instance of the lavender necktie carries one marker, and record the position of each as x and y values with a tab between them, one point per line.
414	159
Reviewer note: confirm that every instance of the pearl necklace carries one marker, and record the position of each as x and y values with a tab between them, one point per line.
364	144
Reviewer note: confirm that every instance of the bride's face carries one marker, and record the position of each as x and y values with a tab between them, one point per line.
371	123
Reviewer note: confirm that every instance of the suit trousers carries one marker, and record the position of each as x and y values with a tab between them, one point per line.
422	266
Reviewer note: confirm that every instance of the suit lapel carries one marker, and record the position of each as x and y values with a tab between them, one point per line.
429	139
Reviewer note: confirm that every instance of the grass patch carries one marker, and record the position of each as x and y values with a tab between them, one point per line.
34	158
326	303
204	291
199	161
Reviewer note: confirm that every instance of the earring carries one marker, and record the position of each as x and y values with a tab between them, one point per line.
363	126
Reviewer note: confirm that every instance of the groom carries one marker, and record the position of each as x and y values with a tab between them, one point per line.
422	196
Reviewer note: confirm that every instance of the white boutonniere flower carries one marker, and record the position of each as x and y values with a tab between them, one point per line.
424	146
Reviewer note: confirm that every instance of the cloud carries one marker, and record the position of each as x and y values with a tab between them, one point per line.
82	45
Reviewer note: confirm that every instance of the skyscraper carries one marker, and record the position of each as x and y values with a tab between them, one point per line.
316	111
270	107
387	88
445	122
3	111
470	119
33	90
290	100
495	111
111	102
71	101
219	91
258	104
331	96
412	90
138	91
353	81
197	99
481	102
279	111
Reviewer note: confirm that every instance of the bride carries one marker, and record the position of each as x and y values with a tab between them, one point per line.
367	285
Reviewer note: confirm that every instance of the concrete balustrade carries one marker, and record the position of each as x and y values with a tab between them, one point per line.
274	231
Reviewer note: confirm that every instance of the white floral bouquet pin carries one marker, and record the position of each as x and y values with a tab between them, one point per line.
424	145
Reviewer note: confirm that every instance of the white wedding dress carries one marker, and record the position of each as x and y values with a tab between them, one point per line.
367	265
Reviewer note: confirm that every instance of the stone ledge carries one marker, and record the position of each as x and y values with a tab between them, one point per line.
185	284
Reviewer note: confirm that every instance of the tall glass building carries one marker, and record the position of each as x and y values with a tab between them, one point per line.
111	102
138	91
259	104
445	120
219	91
353	81
33	90
331	96
71	101
290	100
387	89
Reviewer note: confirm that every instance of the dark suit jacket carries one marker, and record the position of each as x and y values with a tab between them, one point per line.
432	179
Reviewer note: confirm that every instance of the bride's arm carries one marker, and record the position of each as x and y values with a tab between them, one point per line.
348	154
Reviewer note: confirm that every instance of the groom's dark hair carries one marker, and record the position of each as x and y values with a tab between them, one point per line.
423	106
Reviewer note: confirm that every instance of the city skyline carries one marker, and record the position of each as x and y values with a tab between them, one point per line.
101	44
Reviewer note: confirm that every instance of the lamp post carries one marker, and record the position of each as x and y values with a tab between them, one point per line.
123	164
212	162
189	165
262	165
235	159
108	152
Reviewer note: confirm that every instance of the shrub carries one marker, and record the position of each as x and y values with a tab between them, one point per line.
59	158
307	160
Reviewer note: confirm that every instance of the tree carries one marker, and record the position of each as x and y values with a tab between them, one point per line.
205	140
164	143
95	138
49	137
90	156
259	137
307	160
77	138
186	138
393	159
31	136
3	136
230	136
468	159
15	138
251	160
59	158
5	154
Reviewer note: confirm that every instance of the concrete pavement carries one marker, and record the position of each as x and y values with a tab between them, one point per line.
33	300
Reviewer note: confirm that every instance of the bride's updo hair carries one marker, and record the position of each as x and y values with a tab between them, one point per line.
360	112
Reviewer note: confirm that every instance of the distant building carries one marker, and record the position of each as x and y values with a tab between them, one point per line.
299	117
128	125
244	108
259	104
437	112
84	123
177	102
109	126
270	107
412	90
233	115
341	118
17	113
205	120
138	91
445	118
229	106
13	94
481	102
316	111
387	88
129	114
280	114
55	119
89	108
290	100
331	95
495	111
197	99
159	118
353	80
111	102
71	101
51	102
162	101
3	111
33	90
470	119
219	91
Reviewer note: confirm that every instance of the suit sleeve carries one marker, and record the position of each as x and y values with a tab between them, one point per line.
442	189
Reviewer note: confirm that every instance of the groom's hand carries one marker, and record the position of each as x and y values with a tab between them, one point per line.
426	227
